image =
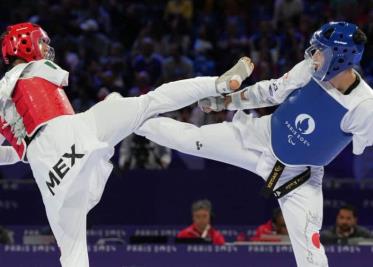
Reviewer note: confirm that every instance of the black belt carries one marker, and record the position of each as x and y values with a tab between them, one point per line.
289	186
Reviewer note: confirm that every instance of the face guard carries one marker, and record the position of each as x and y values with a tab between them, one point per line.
335	40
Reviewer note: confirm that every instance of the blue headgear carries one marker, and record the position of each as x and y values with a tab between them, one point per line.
335	41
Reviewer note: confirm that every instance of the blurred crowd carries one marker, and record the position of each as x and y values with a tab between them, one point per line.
134	46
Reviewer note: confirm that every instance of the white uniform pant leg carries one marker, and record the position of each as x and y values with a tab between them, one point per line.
303	212
220	141
116	117
69	226
74	242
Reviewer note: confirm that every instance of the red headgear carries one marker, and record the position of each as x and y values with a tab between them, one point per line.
24	40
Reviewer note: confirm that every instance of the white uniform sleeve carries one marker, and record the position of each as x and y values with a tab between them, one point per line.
8	155
275	91
359	122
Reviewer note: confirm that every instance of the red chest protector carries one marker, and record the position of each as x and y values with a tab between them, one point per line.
38	101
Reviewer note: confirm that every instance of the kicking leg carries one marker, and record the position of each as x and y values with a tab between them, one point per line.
303	212
116	117
219	141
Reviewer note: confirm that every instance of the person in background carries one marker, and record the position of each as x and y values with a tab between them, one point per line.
272	231
345	231
201	227
137	152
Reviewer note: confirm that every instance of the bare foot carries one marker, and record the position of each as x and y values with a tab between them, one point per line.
234	85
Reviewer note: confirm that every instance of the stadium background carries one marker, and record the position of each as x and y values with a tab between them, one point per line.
133	47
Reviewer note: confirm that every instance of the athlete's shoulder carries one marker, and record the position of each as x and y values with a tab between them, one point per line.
10	79
44	63
296	78
35	68
46	69
16	71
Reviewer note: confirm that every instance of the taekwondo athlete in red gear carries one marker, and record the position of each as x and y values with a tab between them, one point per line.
69	153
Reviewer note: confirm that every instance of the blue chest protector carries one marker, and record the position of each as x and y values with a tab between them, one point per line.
305	128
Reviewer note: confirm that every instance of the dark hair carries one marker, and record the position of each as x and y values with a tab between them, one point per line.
350	208
203	204
359	37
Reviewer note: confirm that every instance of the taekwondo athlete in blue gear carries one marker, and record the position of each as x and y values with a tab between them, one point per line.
324	103
300	127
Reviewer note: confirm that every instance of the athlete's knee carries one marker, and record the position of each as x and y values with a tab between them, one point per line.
189	138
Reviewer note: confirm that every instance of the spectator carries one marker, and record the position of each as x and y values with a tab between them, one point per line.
272	231
201	227
204	65
264	39
346	230
233	41
95	42
136	152
183	8
176	31
142	84
148	60
285	10
177	66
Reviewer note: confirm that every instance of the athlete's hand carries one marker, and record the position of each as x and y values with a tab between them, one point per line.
211	104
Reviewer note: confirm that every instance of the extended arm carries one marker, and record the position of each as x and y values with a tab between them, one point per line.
265	93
